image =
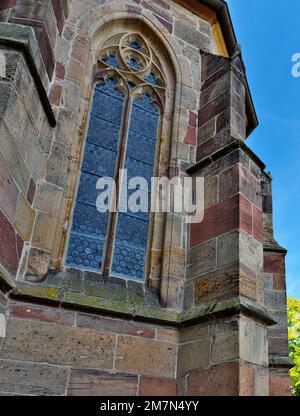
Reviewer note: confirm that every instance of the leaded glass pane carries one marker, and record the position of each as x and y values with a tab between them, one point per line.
89	226
132	228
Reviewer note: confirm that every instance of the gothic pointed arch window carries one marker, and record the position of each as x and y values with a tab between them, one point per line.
123	133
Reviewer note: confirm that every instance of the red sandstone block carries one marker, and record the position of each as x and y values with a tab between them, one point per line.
11	246
8	192
280	385
84	382
31	191
213	108
116	325
247	380
231	214
212	145
152	386
6	4
279	281
41	313
245	215
55	94
190	137
274	263
60	71
163	4
239	179
278	345
229	182
218	380
193	118
167	25
257	224
59	14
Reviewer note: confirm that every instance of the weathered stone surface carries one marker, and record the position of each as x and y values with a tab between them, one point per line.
192	356
8	192
146	357
190	35
225	344
253	345
229	215
275	300
251	253
193	333
228	249
48	198
210	191
24	218
202	259
44	231
99	383
78	347
38	263
115	325
152	386
280	383
32	378
168	334
218	380
274	263
217	285
41	313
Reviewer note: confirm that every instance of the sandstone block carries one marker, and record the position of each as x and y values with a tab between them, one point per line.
100	383
32	379
78	347
146	357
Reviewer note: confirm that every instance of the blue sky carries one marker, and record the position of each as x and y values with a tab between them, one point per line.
268	31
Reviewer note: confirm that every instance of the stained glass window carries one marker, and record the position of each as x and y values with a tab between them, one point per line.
117	243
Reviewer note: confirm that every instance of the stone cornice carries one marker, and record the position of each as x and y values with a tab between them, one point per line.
65	298
234	145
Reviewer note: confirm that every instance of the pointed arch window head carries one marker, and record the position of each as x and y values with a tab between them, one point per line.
123	132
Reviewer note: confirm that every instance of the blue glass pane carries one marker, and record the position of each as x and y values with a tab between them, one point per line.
151	79
136	142
132	228
99	161
107	107
144	117
87	189
111	60
132	231
135	44
128	262
88	221
136	168
134	64
89	226
84	252
103	133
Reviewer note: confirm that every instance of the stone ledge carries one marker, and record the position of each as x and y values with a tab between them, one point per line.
274	248
279	361
139	311
23	38
238	304
234	145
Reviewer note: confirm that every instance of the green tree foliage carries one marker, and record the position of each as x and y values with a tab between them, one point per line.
294	341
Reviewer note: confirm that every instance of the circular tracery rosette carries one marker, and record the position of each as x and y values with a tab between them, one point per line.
129	55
